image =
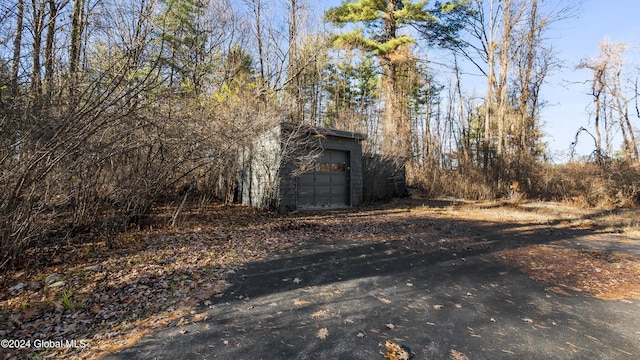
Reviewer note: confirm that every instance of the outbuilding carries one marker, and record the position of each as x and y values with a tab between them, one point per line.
299	167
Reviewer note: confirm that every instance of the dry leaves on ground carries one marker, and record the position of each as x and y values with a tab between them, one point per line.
322	333
396	351
603	274
457	355
113	297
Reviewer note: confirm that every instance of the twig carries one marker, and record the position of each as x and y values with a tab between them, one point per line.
184	199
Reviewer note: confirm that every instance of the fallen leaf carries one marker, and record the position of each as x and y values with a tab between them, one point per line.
199	317
320	314
297	302
457	355
395	351
322	333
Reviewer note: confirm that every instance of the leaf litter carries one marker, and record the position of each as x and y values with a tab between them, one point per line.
152	278
607	275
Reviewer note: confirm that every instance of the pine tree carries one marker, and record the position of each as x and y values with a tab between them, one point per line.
382	20
186	40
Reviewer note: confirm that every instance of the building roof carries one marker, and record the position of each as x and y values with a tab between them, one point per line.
323	131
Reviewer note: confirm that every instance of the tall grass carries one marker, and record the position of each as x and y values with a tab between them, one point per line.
612	184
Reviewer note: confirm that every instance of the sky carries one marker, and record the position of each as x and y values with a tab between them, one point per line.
576	39
566	90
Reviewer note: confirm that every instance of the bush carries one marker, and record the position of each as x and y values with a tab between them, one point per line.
436	181
612	184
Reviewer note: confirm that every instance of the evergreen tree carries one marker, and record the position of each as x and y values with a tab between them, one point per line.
186	42
351	84
380	36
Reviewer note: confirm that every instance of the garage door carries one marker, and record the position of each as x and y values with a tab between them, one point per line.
328	184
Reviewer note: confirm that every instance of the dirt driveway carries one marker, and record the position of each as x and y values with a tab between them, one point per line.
521	282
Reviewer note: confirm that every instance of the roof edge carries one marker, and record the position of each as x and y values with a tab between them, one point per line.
323	131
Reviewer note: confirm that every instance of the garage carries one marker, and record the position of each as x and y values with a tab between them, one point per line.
275	171
327	186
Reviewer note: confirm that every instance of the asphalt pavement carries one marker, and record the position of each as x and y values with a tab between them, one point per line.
339	299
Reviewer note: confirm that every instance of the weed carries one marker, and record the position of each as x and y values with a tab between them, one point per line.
68	301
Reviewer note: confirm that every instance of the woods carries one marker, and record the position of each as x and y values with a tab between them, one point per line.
110	108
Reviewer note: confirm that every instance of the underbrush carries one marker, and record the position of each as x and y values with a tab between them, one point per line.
436	182
613	184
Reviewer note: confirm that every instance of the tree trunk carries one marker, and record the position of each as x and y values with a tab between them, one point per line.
17	44
489	101
294	67
38	26
48	52
256	7
526	78
596	96
622	105
396	127
505	62
75	43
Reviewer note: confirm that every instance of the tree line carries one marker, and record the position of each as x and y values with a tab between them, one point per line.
109	108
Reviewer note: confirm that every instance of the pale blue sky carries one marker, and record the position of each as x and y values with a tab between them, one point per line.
575	39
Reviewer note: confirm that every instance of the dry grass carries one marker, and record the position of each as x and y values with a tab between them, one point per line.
615	184
612	184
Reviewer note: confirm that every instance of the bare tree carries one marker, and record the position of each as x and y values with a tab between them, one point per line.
608	94
75	42
53	10
508	48
620	101
17	45
597	88
256	7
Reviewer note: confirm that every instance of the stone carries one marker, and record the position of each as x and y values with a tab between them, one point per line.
17	287
53	278
57	284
